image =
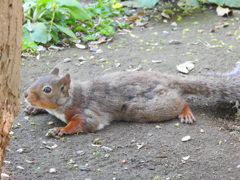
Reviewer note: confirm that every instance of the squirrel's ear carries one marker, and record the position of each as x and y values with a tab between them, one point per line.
66	79
55	71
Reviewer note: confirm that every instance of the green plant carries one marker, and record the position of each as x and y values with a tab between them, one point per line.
103	13
69	164
141	3
230	3
45	19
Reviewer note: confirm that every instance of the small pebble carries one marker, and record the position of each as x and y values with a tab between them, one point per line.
166	32
185	158
186	138
84	168
7	162
67	60
156	61
80	46
107	148
93	49
174	24
28	161
52	170
55	48
165	21
20	167
4	175
99	51
117	64
202	131
20	150
106	155
151	168
41	48
50	122
174	42
71	161
51	147
26	117
80	153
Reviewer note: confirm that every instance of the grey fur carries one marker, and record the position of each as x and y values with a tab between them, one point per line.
138	96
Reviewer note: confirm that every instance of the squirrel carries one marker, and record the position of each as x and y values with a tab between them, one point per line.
129	96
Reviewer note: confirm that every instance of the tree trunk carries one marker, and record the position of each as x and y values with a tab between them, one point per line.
10	51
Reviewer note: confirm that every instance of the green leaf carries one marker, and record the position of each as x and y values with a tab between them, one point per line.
28	43
66	30
75	8
140	3
230	3
39	33
149	3
54	35
134	4
192	3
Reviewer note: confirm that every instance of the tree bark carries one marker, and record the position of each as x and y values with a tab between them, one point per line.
10	51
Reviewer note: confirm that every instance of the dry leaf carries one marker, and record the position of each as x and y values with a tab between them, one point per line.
223	11
185	67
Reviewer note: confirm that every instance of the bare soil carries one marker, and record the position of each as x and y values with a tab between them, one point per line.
130	150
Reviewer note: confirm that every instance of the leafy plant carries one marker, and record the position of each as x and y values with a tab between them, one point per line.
47	20
44	20
141	3
230	3
149	3
103	12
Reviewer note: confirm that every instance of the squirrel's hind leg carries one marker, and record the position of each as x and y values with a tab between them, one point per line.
186	116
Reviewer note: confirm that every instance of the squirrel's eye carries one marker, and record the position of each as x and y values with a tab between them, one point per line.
47	90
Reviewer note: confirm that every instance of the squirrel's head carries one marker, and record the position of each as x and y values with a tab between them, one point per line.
49	91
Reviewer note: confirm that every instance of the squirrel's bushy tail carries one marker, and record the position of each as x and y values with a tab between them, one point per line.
222	86
234	72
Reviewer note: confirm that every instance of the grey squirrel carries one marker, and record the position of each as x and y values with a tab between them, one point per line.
129	96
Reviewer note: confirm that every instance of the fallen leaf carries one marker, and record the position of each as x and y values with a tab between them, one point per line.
185	67
136	69
139	23
223	11
99	41
165	15
140	145
201	31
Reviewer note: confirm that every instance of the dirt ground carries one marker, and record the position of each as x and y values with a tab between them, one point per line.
147	151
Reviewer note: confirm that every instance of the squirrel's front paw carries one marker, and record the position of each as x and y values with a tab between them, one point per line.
30	110
57	132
